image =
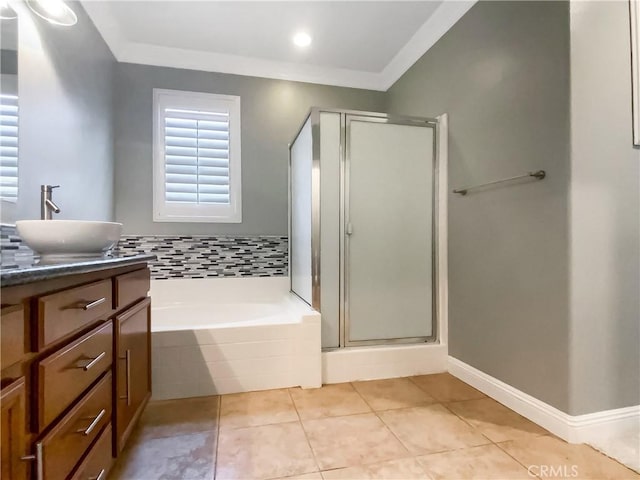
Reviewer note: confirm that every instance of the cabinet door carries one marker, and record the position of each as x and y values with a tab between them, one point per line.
133	367
12	401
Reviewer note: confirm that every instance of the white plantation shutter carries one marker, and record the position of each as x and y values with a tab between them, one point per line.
196	152
9	147
197	157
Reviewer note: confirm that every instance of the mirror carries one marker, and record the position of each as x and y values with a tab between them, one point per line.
8	104
635	68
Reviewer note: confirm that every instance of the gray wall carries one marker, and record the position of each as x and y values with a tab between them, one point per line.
502	75
272	111
65	131
605	212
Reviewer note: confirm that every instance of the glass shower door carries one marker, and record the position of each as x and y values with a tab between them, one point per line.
389	232
301	171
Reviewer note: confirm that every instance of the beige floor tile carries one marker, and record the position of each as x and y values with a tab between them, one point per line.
430	429
487	462
183	457
267	451
256	408
446	388
496	421
328	401
353	440
542	454
403	469
306	476
179	417
392	393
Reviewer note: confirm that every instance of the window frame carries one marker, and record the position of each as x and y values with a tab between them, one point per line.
164	211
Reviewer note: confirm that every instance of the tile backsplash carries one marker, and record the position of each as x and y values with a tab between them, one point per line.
12	251
182	256
195	256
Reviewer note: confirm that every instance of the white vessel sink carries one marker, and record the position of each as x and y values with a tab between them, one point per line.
69	238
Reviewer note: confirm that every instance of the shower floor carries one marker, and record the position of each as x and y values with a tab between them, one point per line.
426	427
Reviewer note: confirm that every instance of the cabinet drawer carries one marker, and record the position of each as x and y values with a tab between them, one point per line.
98	461
64	375
131	287
13	341
63	313
66	443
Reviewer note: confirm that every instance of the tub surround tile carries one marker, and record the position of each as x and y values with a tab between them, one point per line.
236	351
264	452
239	368
550	451
256	408
329	401
403	469
487	462
227	360
183	457
495	421
351	440
444	387
392	393
430	429
199	256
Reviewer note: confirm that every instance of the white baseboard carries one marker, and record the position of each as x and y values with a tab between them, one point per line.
572	428
373	363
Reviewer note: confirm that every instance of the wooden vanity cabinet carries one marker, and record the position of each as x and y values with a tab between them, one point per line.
75	372
13	430
133	372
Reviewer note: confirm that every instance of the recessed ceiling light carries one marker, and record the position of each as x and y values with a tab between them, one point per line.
54	11
6	12
302	39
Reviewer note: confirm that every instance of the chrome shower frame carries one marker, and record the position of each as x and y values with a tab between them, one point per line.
345	118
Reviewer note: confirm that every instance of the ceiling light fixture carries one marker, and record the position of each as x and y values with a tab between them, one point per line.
54	11
6	12
302	39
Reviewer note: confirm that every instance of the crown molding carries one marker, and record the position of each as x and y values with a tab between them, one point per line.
445	16
439	23
241	65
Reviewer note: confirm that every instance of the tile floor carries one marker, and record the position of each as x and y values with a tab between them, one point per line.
429	427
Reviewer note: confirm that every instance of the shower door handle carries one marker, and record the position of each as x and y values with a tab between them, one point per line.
349	229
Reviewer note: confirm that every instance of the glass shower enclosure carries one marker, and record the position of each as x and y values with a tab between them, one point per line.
363	208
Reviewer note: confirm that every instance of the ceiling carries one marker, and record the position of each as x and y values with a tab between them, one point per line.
364	44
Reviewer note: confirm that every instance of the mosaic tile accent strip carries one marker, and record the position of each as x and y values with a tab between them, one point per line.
12	251
185	256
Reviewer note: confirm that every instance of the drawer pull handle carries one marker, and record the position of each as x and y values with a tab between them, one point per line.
95	303
93	424
92	362
100	476
38	459
127	359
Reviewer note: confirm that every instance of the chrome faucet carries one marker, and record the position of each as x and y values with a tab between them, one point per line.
46	203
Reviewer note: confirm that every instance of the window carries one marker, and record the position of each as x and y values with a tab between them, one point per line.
9	147
196	157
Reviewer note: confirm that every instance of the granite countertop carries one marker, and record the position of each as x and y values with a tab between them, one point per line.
36	269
